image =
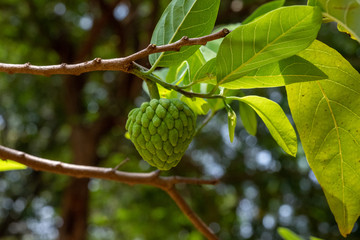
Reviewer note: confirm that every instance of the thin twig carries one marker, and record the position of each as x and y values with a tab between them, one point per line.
115	64
122	163
205	122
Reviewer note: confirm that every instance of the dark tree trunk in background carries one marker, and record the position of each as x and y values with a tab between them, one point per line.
85	137
76	195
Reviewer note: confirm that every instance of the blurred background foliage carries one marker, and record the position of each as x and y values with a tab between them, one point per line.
81	119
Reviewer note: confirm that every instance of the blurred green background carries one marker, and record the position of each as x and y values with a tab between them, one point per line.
81	119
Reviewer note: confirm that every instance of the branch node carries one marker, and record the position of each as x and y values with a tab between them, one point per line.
156	173
63	65
97	60
27	65
225	31
58	165
121	164
151	46
185	38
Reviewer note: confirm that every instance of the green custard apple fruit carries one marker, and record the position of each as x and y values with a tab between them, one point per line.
161	131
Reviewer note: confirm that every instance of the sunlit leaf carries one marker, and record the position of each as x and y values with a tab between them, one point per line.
276	35
346	13
287	71
248	118
275	120
327	116
9	165
287	234
191	18
265	8
198	105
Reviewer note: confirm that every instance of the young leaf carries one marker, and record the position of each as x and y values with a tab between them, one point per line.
275	120
265	8
248	118
9	165
191	18
287	71
231	121
346	13
327	116
276	35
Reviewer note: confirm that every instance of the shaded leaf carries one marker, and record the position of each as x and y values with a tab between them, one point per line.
275	120
192	18
327	116
346	13
265	8
287	71
276	35
9	165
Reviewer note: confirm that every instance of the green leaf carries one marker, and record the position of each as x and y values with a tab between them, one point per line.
215	44
315	238
198	105
276	35
8	165
287	234
346	13
231	121
287	71
327	116
275	120
265	8
207	73
192	18
186	71
248	118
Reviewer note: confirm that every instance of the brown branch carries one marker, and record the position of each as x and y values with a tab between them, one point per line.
115	64
153	179
198	223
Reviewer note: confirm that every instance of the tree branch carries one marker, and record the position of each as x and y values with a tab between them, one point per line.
153	179
115	64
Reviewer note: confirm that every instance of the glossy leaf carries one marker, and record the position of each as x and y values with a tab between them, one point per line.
275	120
276	35
327	116
248	118
346	13
9	165
192	18
265	8
287	71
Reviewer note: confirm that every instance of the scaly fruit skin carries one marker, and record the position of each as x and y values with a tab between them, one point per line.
161	131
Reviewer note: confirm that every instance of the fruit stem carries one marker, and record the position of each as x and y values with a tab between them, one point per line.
153	89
